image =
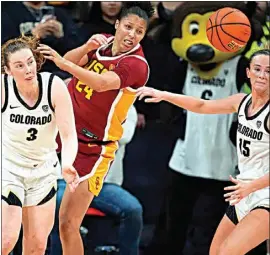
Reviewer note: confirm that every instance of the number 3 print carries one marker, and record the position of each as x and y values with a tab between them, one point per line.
33	134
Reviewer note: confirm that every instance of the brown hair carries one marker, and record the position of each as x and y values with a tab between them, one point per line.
22	42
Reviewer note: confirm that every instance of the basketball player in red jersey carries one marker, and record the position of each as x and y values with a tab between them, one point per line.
107	71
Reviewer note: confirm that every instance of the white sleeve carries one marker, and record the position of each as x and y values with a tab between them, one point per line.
129	126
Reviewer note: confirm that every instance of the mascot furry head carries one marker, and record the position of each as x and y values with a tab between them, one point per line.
187	26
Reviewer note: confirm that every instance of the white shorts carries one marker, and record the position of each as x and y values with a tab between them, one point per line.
259	198
30	185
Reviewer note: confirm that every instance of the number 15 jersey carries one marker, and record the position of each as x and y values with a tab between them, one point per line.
252	141
29	133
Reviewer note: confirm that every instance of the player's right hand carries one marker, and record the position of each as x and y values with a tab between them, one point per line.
96	41
52	55
237	192
71	177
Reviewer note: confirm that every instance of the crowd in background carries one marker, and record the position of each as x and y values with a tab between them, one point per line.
141	177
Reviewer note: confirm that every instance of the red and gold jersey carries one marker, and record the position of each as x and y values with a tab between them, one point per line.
99	115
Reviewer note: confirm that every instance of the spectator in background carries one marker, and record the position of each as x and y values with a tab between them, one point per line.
52	25
163	10
263	19
115	201
102	18
262	11
79	11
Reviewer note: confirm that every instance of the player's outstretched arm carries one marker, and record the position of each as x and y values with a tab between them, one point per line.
98	82
66	124
193	104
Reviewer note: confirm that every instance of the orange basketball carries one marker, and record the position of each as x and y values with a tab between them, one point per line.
228	29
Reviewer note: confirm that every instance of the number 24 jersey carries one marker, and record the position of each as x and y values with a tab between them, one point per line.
102	114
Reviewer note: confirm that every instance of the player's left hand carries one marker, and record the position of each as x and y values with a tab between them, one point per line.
71	177
52	55
237	192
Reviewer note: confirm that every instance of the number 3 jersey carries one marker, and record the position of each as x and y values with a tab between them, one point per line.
252	141
28	133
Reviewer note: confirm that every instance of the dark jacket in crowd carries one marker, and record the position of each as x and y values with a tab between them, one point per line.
16	18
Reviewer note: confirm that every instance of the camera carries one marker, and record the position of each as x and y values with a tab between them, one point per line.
46	13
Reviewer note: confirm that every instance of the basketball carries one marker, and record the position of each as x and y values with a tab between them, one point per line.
228	29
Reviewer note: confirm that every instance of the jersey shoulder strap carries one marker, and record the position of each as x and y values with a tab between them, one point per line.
5	84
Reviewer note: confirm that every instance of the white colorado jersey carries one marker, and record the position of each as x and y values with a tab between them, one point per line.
29	133
252	141
253	154
207	151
